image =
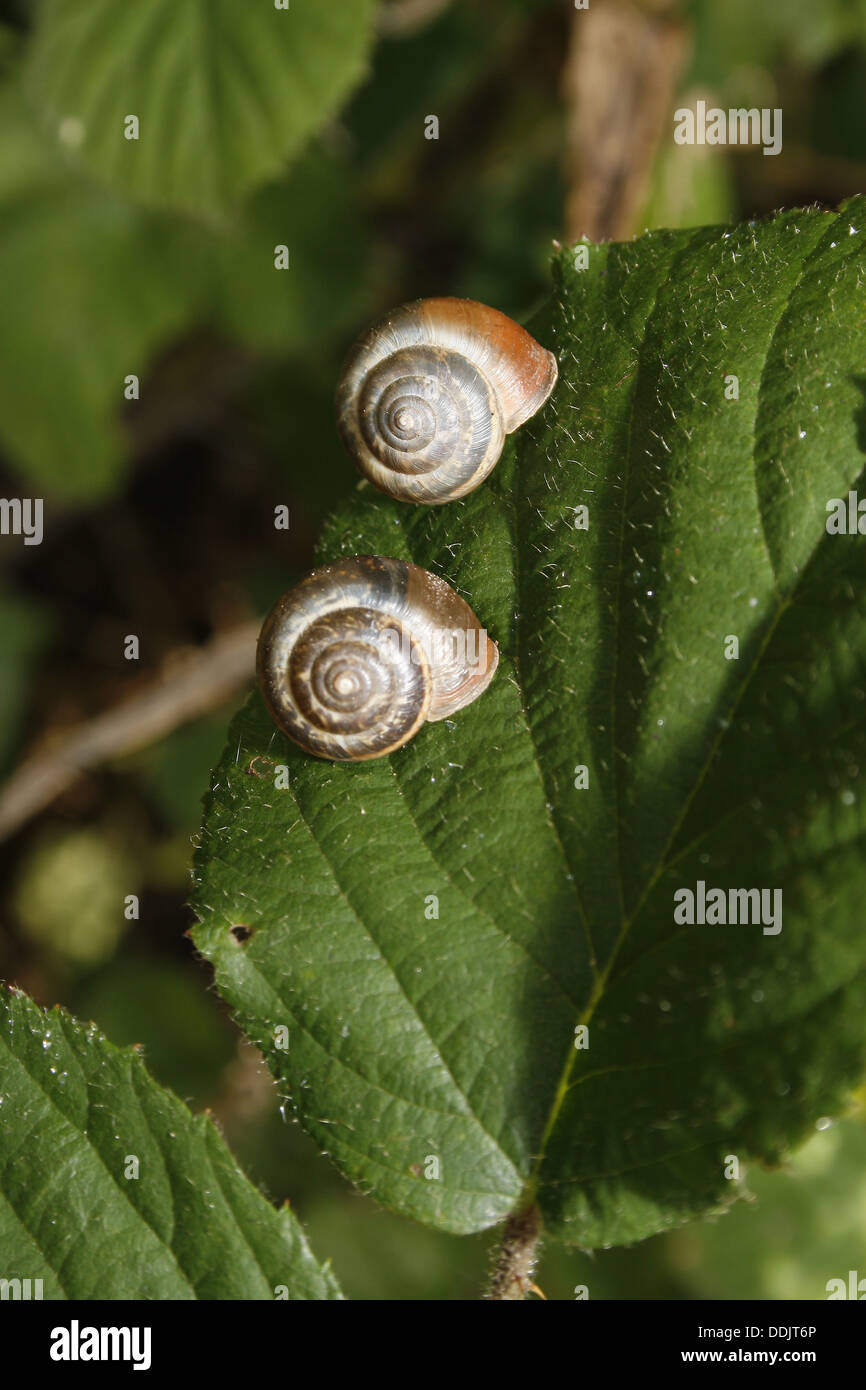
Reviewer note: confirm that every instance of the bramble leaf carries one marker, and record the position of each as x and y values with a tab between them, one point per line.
710	406
222	95
111	1189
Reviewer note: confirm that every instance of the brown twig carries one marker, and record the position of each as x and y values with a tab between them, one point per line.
624	62
201	682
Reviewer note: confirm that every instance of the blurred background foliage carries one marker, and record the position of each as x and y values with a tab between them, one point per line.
157	259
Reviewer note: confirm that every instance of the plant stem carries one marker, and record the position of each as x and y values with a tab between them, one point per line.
512	1274
192	684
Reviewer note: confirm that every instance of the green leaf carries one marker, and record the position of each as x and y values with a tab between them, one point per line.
455	1037
141	280
742	36
75	1110
327	284
92	288
70	339
224	93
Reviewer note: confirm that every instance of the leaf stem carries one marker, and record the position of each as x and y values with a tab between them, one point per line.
512	1273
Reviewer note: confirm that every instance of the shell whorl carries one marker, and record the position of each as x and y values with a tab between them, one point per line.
429	394
352	661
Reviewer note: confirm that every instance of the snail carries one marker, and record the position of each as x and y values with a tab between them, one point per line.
354	658
428	395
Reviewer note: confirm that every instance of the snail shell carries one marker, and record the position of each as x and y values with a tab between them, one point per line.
428	395
354	658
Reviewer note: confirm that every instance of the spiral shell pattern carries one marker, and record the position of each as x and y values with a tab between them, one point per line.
431	414
348	663
428	395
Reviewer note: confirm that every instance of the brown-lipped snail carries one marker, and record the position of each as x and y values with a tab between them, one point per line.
355	657
428	395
